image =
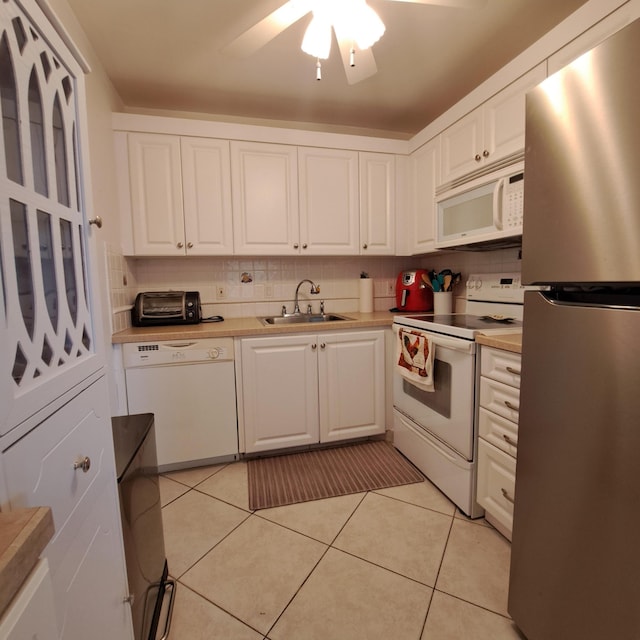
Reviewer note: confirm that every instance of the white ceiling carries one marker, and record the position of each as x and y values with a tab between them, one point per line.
166	55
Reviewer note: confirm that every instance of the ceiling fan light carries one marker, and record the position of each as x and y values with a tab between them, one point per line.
368	27
317	38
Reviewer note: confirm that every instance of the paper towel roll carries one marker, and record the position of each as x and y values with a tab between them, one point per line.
366	295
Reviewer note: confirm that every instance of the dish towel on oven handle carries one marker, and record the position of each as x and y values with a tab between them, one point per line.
415	358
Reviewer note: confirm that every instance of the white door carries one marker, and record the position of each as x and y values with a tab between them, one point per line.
265	198
424	168
206	185
352	385
52	386
329	213
280	389
377	204
156	194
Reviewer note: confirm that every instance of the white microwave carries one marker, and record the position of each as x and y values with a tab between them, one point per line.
487	210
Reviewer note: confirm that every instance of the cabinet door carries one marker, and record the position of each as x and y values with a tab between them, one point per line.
85	555
504	117
329	216
462	146
351	385
280	392
424	168
265	198
156	194
377	204
206	184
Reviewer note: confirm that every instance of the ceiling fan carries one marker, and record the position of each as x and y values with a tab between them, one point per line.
356	26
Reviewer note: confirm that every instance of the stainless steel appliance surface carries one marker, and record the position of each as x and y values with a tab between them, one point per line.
437	429
575	562
151	593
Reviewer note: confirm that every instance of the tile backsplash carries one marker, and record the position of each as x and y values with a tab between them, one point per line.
236	287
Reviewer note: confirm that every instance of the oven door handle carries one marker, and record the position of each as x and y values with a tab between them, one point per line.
465	346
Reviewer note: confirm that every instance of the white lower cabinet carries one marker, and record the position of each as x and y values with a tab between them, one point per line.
307	388
31	613
67	463
498	435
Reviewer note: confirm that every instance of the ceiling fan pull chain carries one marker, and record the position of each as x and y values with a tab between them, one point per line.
318	70
352	57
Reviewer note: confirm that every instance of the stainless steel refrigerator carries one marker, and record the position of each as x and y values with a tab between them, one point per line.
575	568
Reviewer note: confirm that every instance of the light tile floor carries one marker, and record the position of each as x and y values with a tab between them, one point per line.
398	564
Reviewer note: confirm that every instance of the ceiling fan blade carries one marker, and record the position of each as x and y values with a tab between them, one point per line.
460	4
268	28
365	63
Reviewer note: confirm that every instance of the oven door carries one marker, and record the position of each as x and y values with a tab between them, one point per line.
446	413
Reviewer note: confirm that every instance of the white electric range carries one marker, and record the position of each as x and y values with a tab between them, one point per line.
436	429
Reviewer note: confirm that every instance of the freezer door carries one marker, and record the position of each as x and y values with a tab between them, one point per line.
582	152
575	565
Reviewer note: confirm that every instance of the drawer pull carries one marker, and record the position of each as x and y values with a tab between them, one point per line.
83	463
509	440
510	405
506	495
515	372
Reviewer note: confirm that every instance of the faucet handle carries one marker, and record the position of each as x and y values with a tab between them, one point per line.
284	310
309	309
322	307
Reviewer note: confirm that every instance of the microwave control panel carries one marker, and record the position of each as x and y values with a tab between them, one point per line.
513	201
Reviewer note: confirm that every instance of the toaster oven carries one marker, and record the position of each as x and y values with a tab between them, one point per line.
166	307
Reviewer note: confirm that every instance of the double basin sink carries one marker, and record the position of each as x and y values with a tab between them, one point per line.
302	318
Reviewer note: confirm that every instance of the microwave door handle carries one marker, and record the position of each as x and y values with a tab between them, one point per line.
498	193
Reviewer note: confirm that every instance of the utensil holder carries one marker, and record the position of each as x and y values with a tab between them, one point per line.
442	302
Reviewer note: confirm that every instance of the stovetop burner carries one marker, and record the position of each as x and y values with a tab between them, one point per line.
461	325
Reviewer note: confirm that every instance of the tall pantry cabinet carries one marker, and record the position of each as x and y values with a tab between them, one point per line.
56	448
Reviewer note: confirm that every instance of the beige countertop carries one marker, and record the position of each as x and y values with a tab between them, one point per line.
507	341
233	327
24	533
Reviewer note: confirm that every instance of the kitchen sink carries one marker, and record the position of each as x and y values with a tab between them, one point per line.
302	318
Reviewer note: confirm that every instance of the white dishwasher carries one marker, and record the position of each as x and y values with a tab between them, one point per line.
189	385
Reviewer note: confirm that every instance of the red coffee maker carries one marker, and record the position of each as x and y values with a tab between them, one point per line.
412	292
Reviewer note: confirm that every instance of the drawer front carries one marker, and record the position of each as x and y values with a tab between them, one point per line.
496	483
503	366
500	398
40	467
498	431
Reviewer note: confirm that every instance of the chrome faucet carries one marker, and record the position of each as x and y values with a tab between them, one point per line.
315	289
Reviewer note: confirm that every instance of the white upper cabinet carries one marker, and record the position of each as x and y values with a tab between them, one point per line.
265	198
489	134
206	192
419	227
377	204
180	195
329	215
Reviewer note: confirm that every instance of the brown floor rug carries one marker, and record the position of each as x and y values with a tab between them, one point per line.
324	473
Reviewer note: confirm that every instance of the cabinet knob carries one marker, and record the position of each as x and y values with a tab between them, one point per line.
97	221
322	345
296	245
314	347
180	245
304	246
82	463
485	153
478	157
189	245
365	246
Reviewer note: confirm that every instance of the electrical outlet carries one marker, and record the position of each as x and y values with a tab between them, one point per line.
391	288
221	292
268	291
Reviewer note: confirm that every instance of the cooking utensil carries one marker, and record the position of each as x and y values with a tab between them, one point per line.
447	282
426	281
